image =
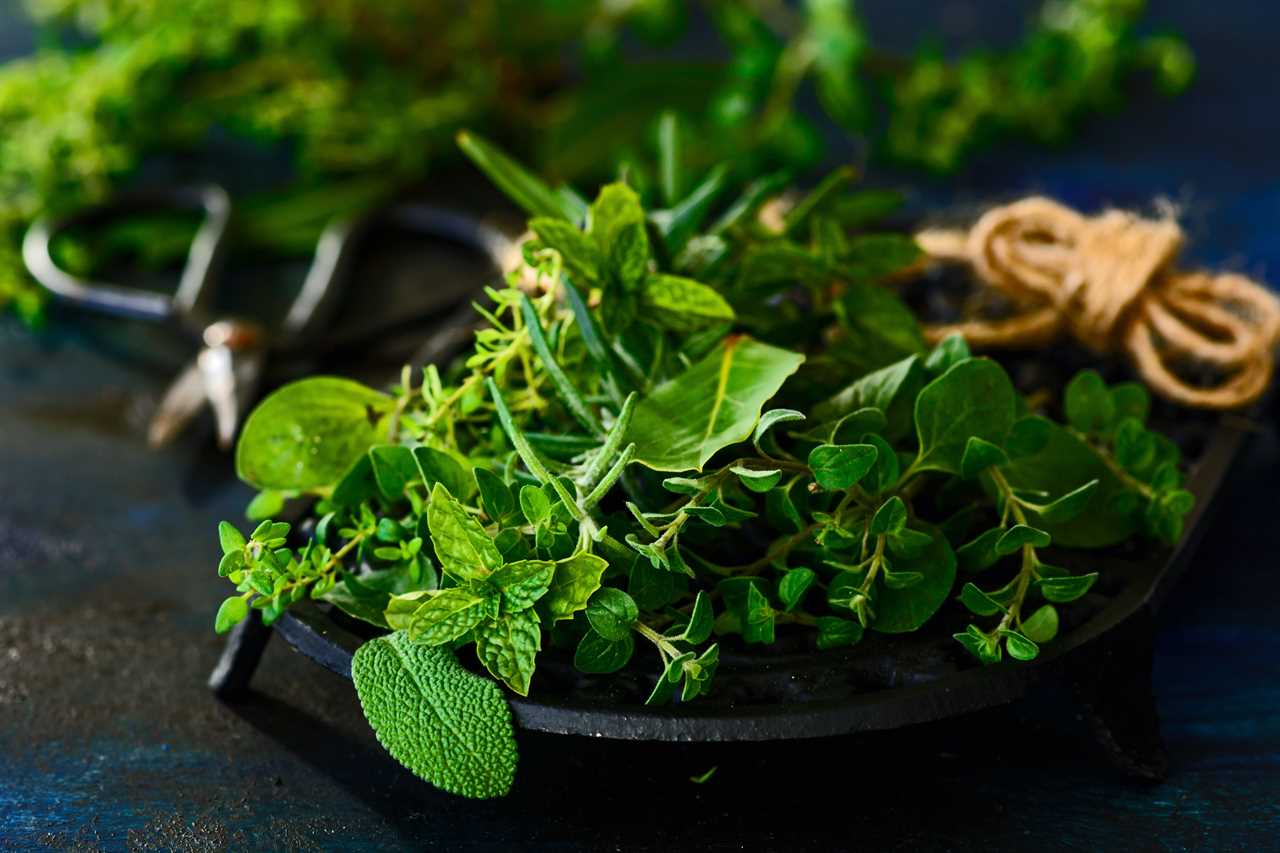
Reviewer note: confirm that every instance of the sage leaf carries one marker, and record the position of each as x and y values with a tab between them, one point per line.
446	725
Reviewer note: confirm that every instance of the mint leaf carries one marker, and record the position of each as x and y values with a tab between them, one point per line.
446	616
447	726
461	544
574	581
523	582
509	647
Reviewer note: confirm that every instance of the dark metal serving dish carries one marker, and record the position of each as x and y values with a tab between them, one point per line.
1103	654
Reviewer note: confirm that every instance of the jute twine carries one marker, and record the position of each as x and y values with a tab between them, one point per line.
1109	281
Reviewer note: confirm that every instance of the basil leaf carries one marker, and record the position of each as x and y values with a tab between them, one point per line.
307	434
713	404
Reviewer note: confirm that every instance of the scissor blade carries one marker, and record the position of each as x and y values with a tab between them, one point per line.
180	403
230	379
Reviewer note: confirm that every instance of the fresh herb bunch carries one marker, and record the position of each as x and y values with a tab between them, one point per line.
704	421
375	92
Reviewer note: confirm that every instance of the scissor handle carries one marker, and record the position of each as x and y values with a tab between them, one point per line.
193	293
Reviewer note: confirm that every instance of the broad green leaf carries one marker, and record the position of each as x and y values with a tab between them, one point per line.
1131	400
1041	626
446	616
654	588
232	611
436	466
230	538
516	182
952	350
1069	505
534	504
838	466
978	602
979	455
595	654
1088	403
901	610
793	585
984	647
701	620
393	469
713	404
1066	589
523	582
973	398
872	257
574	581
495	495
980	553
1028	436
1019	646
890	518
509	648
879	328
618	229
1063	464
1020	535
357	485
890	389
611	613
834	632
757	617
757	480
308	434
460	542
682	303
449	727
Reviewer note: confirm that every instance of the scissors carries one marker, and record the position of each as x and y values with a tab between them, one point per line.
233	351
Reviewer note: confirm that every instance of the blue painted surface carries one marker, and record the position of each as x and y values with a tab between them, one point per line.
108	739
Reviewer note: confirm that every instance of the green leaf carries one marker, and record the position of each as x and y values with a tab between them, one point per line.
393	469
1131	400
495	495
879	328
1041	626
462	547
678	224
793	585
266	504
887	469
579	254
1063	464
595	654
891	517
979	455
516	182
1020	648
534	504
509	648
565	389
436	466
901	610
611	613
1069	505
829	188
713	404
1028	436
1089	405
890	389
230	538
838	466
449	727
357	485
980	553
1063	590
978	602
231	612
701	620
523	582
618	228
758	617
772	418
447	615
873	257
683	304
757	480
950	351
834	632
1019	535
973	398
983	646
653	588
574	581
307	434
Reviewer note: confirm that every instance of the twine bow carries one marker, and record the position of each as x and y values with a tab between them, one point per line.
1109	281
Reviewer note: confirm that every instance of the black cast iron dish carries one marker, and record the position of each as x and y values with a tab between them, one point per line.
1104	653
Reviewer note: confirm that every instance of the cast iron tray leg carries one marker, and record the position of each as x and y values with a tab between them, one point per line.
240	657
1114	686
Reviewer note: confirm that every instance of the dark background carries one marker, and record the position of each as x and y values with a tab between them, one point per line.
109	740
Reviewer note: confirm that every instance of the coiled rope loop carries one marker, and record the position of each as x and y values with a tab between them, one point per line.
1109	281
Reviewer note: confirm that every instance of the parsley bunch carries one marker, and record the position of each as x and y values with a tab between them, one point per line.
681	426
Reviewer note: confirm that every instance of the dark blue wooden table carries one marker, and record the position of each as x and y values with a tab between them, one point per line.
109	740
